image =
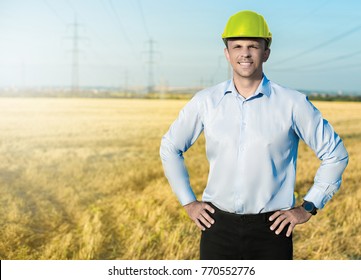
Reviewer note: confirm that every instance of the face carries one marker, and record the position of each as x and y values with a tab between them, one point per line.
247	55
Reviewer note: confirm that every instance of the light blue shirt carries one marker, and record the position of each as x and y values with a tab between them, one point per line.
251	146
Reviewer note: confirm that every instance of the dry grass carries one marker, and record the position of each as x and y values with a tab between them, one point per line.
82	179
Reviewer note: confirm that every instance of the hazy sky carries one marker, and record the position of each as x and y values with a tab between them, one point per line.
316	44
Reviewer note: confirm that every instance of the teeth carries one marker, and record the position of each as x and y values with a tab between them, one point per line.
245	63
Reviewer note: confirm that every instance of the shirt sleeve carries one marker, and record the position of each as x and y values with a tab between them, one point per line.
320	136
180	137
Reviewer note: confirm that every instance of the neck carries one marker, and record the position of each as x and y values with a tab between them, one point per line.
246	87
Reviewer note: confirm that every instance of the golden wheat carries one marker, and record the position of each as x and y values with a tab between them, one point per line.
82	179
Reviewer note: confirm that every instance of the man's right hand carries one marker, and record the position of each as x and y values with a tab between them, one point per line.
197	212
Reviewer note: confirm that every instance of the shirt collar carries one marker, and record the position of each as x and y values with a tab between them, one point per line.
263	88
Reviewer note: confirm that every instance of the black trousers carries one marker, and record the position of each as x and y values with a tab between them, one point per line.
244	237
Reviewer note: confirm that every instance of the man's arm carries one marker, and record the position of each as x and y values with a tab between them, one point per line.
180	137
320	136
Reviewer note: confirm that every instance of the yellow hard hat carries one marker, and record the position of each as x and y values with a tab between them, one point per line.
247	24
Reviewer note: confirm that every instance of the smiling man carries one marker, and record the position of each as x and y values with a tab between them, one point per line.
252	128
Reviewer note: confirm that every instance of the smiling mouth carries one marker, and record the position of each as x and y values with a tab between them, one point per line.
245	64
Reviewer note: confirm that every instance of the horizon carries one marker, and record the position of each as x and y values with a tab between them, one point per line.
49	91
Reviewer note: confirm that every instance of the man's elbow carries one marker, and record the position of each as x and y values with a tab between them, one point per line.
342	154
346	158
343	159
167	149
163	148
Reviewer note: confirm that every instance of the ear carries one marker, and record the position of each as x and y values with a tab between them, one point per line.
266	54
226	53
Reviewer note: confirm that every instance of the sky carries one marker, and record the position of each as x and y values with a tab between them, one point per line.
316	44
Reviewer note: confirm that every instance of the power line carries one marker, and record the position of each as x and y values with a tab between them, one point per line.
312	12
321	45
322	69
143	18
71	6
54	12
316	64
119	21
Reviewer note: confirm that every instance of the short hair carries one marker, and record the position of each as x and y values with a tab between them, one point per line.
267	41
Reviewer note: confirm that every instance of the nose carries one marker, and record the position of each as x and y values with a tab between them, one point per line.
245	53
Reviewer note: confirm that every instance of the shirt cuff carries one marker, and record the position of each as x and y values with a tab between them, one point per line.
187	196
320	194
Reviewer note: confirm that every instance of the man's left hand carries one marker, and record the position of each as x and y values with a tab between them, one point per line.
290	217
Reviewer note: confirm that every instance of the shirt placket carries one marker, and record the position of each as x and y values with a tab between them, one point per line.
239	201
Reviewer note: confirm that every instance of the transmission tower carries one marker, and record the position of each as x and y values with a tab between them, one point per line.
75	57
151	62
126	78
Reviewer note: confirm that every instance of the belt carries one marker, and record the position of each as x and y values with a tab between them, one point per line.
243	217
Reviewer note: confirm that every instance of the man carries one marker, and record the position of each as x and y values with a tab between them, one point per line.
252	128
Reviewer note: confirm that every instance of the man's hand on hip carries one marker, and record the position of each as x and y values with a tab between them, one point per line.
197	212
290	217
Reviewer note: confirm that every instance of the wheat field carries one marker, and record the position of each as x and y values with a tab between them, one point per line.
82	179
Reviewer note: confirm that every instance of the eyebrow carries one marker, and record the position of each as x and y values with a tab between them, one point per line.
253	44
